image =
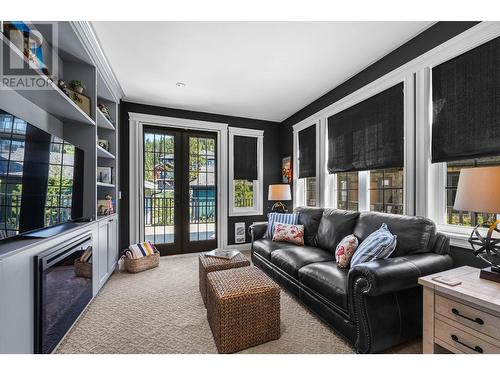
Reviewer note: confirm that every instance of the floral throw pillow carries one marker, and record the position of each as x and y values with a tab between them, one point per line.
292	233
345	250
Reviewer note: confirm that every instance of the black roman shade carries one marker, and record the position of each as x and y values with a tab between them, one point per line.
466	105
245	158
368	135
307	152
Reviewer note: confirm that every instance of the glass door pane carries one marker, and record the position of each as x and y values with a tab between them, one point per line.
202	188
159	186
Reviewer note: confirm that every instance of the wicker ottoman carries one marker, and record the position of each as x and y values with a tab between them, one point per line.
243	308
210	264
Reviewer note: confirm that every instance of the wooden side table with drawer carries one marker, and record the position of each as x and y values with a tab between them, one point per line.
461	318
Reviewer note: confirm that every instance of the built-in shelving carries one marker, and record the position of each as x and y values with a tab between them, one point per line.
71	59
102	153
107	131
51	99
103	122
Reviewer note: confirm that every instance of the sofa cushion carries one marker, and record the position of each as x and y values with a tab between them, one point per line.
275	217
345	250
290	233
327	280
292	258
264	247
335	225
309	217
415	234
378	245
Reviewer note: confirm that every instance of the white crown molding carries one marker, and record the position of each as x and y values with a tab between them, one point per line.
87	36
245	132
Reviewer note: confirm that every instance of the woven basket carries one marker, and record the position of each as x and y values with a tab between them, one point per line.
142	264
83	269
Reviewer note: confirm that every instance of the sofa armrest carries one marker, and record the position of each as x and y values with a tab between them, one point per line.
257	230
442	244
394	274
386	303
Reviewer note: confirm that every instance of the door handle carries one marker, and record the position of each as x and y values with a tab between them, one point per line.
475	320
477	349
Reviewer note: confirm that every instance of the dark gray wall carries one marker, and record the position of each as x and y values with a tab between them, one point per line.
272	160
430	38
425	41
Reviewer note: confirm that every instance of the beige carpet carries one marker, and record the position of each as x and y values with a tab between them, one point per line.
161	311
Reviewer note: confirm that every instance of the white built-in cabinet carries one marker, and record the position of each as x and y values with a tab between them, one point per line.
106	249
79	56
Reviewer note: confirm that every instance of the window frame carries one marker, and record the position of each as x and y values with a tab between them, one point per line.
299	191
258	185
431	201
423	181
329	185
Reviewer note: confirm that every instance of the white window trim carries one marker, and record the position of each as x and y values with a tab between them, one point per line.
298	184
436	173
422	178
136	178
258	185
329	188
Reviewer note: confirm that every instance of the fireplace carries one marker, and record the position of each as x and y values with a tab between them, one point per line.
63	288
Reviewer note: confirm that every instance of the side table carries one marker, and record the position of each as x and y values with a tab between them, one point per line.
461	312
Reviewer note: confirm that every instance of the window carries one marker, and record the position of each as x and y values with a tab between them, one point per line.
243	194
464	218
245	172
310	191
464	129
347	191
386	190
305	158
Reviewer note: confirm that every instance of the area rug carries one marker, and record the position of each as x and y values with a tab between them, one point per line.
161	311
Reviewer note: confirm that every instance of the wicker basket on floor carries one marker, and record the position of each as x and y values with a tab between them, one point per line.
142	264
83	269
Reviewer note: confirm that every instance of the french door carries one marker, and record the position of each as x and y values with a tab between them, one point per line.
180	189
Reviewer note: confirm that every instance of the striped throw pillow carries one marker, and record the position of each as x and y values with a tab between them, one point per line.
140	250
378	245
275	217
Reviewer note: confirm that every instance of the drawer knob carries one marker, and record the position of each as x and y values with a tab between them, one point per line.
476	348
475	320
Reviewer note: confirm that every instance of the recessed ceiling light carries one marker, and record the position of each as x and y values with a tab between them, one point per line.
180	84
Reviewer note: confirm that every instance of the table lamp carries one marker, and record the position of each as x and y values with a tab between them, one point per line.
478	191
279	192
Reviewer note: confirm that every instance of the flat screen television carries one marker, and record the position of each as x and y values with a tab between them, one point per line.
41	178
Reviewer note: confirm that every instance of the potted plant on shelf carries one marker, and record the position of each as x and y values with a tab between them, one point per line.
77	85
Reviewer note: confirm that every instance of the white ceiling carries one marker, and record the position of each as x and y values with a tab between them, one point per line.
264	70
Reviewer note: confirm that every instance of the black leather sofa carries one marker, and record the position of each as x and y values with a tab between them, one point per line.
374	305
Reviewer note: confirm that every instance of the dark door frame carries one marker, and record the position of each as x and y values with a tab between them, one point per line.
182	243
136	122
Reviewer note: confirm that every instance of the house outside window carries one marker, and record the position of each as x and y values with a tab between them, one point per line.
465	218
347	191
310	198
386	190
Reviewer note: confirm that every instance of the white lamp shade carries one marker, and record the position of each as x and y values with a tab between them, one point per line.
279	192
478	190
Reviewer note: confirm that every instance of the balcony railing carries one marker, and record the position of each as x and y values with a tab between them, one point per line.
243	202
161	210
